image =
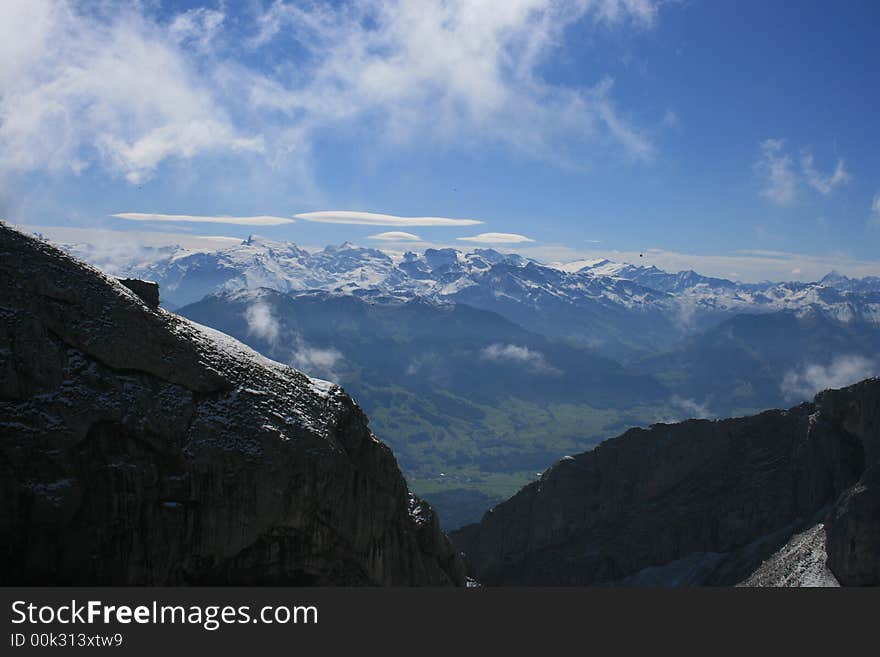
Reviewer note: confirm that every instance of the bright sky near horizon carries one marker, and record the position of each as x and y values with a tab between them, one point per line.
735	138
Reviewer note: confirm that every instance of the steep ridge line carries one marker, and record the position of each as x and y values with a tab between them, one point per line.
139	448
712	492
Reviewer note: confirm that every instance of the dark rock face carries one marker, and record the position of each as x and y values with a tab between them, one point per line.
722	494
853	528
139	448
853	525
148	291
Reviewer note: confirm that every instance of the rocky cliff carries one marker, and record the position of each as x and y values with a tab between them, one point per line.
701	502
137	447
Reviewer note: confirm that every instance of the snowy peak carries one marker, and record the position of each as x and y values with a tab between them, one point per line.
486	278
838	281
345	246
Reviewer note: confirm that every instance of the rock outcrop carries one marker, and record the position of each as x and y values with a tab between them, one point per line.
699	502
139	448
148	291
802	561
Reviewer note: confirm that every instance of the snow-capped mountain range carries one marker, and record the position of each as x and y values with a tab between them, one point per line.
598	301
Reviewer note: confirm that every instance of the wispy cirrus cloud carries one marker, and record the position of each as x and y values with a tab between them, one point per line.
777	168
446	70
782	176
496	238
258	220
356	218
875	210
198	26
823	183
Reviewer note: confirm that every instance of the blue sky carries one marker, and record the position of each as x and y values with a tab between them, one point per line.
735	138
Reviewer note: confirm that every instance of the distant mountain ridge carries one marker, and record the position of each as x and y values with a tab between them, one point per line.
625	309
482	367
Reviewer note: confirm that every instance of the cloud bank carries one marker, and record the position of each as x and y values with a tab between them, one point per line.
803	383
375	219
125	87
107	86
260	220
748	266
128	240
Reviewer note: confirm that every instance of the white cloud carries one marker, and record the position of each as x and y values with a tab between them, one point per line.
615	10
396	236
823	184
262	323
129	239
120	252
496	238
748	266
875	209
316	361
519	354
803	383
78	87
443	70
671	119
128	88
777	167
197	26
375	219
692	408
260	220
782	179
